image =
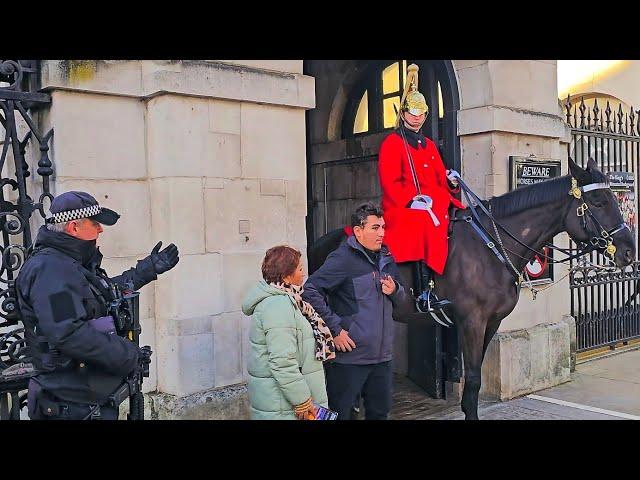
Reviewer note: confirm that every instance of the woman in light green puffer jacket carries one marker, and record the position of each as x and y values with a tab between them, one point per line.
286	347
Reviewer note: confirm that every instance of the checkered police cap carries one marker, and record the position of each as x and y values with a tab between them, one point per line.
75	205
69	215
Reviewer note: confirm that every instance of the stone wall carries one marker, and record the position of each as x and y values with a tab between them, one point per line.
190	152
522	361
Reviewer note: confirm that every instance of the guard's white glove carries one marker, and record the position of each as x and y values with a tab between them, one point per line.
424	202
452	176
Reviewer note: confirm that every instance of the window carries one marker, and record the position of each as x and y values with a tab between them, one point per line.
361	123
392	85
374	106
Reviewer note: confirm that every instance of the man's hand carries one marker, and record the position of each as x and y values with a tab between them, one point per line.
164	260
343	342
388	285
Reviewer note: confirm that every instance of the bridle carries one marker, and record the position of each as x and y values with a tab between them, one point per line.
601	238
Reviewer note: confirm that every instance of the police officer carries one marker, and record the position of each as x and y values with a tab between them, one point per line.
63	296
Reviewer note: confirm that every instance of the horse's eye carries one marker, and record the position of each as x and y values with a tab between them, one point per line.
599	200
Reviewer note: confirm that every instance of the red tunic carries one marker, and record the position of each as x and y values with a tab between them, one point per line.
411	234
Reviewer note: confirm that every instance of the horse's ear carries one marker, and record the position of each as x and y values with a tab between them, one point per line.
578	173
574	169
592	165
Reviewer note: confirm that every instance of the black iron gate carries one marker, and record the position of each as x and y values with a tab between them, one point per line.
604	302
19	99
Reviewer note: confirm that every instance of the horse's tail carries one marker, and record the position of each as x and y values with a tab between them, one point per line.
321	248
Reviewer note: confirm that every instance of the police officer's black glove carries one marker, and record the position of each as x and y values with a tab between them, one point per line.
164	260
144	360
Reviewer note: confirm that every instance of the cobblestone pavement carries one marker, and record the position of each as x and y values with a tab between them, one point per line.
412	403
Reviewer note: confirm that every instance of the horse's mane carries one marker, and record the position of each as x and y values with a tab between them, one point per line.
322	247
530	196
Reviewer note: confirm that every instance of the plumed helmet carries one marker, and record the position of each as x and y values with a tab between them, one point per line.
412	100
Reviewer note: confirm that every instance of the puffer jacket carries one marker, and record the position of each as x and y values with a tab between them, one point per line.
283	370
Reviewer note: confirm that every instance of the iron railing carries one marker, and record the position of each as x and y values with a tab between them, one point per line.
19	99
603	301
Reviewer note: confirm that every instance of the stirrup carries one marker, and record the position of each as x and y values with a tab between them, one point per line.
427	302
440	304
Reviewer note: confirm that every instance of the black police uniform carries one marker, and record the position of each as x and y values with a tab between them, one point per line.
63	296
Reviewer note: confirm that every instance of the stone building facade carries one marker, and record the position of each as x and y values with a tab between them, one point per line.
209	155
218	157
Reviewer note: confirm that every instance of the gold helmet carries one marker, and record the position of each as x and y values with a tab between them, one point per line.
412	100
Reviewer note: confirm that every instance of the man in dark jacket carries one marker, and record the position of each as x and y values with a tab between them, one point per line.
361	281
63	296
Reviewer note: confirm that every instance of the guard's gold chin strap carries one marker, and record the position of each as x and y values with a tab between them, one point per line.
408	127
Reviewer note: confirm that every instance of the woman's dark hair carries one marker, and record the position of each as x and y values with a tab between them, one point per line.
279	262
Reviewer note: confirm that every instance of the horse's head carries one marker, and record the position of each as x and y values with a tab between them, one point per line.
595	216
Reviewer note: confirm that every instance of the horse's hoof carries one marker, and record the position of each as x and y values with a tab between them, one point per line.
471	416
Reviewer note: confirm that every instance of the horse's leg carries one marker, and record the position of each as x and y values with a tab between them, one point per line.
490	331
472	332
408	305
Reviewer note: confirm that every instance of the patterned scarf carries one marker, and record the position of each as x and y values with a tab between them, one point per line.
325	348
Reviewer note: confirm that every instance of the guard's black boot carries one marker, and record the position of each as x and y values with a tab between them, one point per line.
428	301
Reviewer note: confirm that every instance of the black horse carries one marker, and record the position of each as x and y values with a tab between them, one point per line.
483	289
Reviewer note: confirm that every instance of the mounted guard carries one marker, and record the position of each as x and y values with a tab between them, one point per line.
417	192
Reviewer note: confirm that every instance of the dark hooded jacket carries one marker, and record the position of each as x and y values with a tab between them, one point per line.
347	293
61	288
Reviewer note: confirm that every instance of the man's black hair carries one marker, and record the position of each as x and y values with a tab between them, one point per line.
359	217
